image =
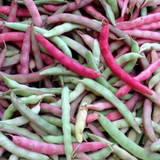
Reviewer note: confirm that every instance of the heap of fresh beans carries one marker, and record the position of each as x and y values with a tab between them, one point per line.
79	80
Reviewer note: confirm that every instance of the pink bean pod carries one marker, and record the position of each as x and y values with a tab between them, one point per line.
87	39
25	51
11	36
71	6
143	34
32	8
4	103
65	60
2	56
131	4
91	10
95	130
45	107
147	121
152	26
115	68
78	19
100	105
92	117
115	115
124	7
21	12
12	15
135	13
26	78
141	77
47	59
138	21
3	88
54	149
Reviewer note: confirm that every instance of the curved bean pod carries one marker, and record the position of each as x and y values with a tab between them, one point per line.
148	129
21	12
36	119
113	65
12	148
125	142
71	6
97	89
32	8
77	19
57	54
65	27
56	149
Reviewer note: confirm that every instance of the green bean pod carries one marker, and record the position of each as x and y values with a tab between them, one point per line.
28	92
57	122
12	148
100	154
66	127
65	27
121	153
113	4
109	96
55	39
73	95
127	144
12	129
154	80
19	121
58	70
101	80
96	52
109	12
36	119
60	139
33	99
123	59
149	46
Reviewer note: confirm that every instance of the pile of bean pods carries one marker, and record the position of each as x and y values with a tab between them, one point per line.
79	80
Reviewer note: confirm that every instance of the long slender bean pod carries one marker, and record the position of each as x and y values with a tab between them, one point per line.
66	128
26	112
32	8
10	128
71	6
2	56
21	12
109	12
65	27
114	148
22	27
57	149
73	95
25	51
112	64
125	142
21	152
77	19
12	15
56	53
147	110
108	95
19	121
